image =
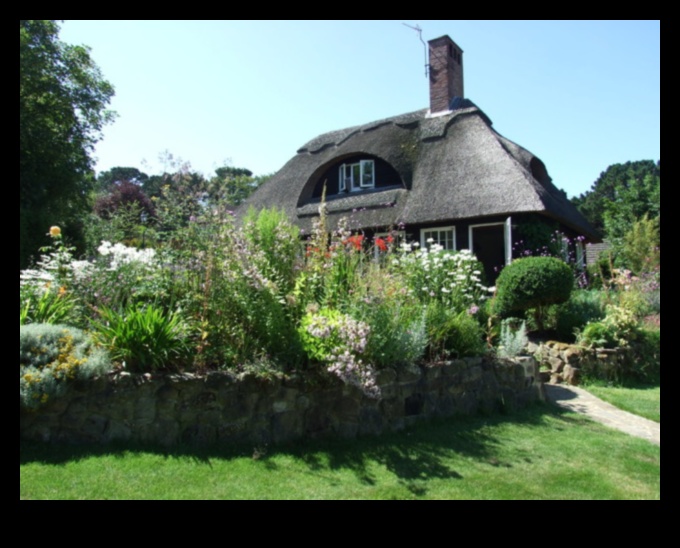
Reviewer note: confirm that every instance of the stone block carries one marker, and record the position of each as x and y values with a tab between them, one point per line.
571	375
556	364
386	376
286	426
370	422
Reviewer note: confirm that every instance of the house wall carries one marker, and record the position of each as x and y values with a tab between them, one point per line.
522	226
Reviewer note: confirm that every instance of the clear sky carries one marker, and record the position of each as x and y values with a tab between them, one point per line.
581	95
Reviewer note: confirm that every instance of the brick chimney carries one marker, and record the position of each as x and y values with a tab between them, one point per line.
446	73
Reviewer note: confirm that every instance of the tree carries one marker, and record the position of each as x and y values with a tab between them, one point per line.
234	184
635	186
62	110
625	205
125	195
107	180
641	246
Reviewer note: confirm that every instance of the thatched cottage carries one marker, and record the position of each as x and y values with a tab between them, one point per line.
442	173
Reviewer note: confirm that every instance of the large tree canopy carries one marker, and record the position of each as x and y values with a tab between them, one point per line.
62	110
632	187
625	205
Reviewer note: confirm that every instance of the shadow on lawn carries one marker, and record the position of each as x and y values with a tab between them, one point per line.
414	456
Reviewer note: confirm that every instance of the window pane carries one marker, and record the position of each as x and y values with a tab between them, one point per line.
444	238
356	175
367	173
341	178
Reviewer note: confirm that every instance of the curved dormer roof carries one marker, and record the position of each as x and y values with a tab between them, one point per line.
453	166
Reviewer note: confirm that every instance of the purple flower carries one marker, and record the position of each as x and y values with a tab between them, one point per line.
473	310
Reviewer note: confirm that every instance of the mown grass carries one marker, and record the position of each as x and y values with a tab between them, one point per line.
640	399
538	453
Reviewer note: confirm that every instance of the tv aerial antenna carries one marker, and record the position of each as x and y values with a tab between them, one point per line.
420	35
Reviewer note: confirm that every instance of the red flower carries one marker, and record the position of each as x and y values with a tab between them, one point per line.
380	243
356	241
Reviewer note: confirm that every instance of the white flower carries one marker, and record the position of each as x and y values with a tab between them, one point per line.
105	248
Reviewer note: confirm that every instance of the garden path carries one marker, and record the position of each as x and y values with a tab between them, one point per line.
573	398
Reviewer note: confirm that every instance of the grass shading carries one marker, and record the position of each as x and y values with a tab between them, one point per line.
538	453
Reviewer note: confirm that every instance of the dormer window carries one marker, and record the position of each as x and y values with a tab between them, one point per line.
357	176
352	175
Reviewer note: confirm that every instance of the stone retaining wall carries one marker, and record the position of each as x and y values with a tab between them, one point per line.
221	407
567	363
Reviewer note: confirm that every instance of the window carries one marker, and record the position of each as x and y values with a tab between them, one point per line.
357	176
444	236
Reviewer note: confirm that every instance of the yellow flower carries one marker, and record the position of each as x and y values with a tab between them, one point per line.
55	231
62	291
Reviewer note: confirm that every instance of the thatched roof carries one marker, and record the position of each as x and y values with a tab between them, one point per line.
453	167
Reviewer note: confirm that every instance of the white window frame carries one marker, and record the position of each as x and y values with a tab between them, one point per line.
580	255
425	234
363	170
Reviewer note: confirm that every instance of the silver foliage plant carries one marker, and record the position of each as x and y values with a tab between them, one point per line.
513	340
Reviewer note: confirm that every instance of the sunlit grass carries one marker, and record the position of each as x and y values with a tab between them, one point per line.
539	453
643	400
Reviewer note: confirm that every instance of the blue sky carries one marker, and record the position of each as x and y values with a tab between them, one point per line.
581	95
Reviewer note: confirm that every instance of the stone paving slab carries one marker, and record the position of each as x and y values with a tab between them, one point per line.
573	398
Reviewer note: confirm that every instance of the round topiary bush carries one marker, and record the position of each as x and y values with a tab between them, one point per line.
533	283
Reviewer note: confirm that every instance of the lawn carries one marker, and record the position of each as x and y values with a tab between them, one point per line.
640	399
538	453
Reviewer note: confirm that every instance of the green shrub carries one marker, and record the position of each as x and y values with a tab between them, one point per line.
50	355
637	361
453	334
641	245
583	306
397	332
647	350
533	283
618	329
144	338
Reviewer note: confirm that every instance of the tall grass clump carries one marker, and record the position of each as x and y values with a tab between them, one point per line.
143	337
